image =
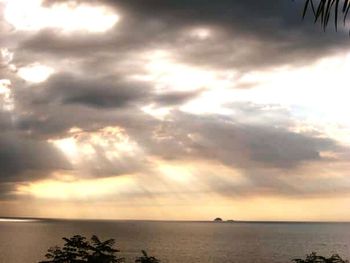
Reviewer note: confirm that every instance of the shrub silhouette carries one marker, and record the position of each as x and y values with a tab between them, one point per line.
103	251
314	258
78	250
146	259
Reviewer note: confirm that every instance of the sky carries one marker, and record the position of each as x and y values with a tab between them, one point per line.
172	110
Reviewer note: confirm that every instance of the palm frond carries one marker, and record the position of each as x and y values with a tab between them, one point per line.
324	10
95	240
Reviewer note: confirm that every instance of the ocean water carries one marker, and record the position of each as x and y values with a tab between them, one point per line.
180	242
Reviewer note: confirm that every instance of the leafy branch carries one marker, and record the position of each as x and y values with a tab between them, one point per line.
323	10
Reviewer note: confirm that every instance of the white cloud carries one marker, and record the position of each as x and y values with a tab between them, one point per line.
30	15
6	101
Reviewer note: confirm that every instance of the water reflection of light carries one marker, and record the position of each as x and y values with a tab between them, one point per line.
17	220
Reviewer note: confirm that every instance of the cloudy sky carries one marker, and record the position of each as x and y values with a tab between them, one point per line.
177	109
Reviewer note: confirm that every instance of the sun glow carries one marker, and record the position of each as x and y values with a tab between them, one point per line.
157	112
32	15
76	190
168	74
317	93
177	173
201	33
83	146
68	146
35	73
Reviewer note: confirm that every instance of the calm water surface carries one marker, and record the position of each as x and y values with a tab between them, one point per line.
181	242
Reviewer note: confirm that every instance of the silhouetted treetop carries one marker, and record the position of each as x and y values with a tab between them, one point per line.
146	259
324	10
77	250
314	258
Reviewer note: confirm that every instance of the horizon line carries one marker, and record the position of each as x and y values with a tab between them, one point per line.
32	219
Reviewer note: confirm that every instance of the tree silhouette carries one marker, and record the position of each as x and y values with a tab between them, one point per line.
314	258
146	259
323	10
77	250
103	252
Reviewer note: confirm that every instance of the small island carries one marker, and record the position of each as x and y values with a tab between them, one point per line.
220	220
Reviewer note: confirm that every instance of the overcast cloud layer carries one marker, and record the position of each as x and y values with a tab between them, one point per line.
168	84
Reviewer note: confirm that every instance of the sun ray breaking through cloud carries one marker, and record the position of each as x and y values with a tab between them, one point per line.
234	108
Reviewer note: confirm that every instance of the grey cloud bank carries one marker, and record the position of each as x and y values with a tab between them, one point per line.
94	87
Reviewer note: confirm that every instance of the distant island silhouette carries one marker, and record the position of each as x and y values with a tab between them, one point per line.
219	219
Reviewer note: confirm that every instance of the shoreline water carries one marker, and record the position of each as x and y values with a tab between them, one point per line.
181	241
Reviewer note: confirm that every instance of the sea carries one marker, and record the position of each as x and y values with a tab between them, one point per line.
26	241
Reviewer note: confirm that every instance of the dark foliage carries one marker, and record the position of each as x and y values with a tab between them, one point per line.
146	259
314	258
323	10
77	249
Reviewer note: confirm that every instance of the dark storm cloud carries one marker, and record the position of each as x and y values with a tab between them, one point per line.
235	144
67	100
256	140
106	92
98	91
247	34
5	121
175	97
50	42
271	159
22	159
213	137
7	191
55	121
